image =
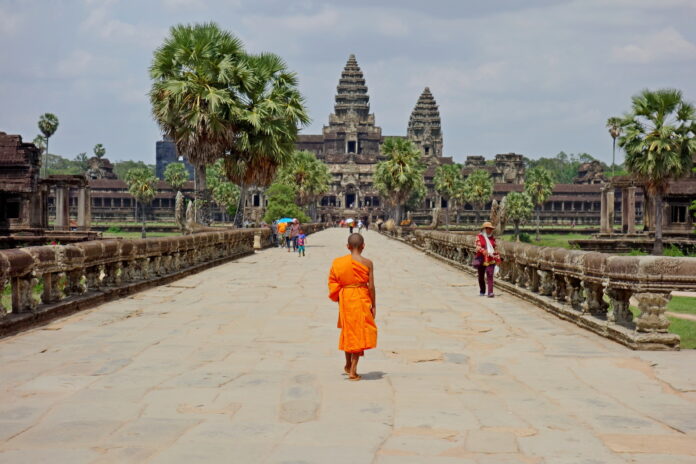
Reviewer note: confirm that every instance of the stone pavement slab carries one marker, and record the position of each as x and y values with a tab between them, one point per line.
239	364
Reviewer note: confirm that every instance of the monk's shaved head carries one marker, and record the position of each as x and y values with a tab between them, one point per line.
355	241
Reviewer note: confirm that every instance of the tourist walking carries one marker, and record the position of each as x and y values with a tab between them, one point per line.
294	232
301	240
282	227
360	226
486	259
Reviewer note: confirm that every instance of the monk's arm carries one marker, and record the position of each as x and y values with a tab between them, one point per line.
373	291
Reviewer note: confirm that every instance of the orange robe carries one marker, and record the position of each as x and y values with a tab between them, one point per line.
348	280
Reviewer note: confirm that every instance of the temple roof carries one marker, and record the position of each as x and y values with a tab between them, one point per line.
424	115
351	92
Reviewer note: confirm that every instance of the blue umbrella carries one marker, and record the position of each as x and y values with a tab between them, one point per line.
285	220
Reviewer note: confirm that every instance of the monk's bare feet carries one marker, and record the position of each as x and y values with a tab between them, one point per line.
346	369
355	377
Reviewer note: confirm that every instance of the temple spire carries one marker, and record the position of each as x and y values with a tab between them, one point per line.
351	92
424	127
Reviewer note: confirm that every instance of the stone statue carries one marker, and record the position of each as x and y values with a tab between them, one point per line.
502	218
495	212
436	218
179	211
190	217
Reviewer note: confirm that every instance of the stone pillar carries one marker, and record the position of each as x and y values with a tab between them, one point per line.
84	210
610	211
630	214
62	208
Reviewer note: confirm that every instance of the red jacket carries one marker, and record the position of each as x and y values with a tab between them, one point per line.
481	247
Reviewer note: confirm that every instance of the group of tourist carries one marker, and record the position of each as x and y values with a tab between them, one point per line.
290	235
352	224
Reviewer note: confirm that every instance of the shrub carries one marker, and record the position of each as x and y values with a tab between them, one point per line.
636	253
673	251
114	230
525	237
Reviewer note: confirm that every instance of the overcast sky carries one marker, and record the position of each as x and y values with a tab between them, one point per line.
527	76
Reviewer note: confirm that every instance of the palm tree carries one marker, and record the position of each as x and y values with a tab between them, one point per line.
225	193
401	175
40	142
478	190
265	126
518	207
614	126
198	74
99	151
48	124
659	141
448	180
309	176
142	185
538	186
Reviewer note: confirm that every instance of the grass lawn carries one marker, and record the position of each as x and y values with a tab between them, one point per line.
551	240
685	329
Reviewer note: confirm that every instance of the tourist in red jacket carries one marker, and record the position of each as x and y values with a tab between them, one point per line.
486	259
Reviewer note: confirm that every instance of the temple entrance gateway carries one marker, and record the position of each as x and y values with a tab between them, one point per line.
350	200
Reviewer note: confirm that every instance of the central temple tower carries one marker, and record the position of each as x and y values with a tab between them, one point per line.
351	130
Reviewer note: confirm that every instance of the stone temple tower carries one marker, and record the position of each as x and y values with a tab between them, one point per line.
351	128
424	128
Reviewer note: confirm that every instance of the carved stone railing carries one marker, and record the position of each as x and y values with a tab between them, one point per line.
591	289
79	275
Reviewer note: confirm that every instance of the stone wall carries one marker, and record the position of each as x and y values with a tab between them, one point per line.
591	289
80	275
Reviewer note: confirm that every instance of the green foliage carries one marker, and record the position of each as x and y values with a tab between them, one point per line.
307	174
48	124
477	189
59	165
113	230
673	251
563	167
519	208
281	203
659	137
40	142
176	175
142	184
121	168
225	193
525	237
538	185
635	252
82	162
400	176
449	180
99	150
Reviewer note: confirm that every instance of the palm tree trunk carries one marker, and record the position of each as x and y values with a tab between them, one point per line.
143	234
613	155
657	247
46	159
202	196
447	215
538	221
239	214
517	231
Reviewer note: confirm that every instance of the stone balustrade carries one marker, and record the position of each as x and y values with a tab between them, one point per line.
78	275
591	289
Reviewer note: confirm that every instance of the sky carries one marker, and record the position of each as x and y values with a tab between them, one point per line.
534	77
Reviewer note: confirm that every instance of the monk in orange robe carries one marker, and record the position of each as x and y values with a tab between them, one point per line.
352	285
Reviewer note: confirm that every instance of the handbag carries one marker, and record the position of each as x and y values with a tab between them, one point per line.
477	261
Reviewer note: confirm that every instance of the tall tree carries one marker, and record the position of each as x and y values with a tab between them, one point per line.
82	162
400	175
538	185
281	203
309	176
518	207
614	126
142	185
48	125
225	193
478	190
198	77
659	141
448	181
99	151
176	176
266	126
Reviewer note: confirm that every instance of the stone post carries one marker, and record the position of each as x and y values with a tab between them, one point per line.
630	199
603	229
257	241
84	213
62	208
610	210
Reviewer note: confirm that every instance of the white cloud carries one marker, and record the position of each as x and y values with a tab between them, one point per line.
324	20
665	46
100	22
81	63
392	27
